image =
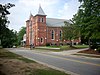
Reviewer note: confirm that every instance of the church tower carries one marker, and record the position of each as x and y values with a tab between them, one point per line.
40	23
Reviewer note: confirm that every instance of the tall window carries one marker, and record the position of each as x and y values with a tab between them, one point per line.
52	34
39	20
60	35
42	19
41	40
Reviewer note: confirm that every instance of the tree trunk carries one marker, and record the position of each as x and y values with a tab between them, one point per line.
70	43
89	42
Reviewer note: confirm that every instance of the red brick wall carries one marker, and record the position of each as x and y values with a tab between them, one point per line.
27	32
40	30
56	39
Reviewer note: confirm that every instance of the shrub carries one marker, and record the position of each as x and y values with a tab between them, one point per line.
47	44
98	49
93	46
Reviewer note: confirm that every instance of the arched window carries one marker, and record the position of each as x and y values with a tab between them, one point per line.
52	34
41	40
60	35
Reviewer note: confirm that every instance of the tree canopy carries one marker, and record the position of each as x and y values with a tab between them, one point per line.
3	17
68	32
21	34
87	19
7	36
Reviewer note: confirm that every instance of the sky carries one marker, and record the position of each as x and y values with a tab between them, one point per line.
61	9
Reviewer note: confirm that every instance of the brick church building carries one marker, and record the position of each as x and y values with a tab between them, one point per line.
41	30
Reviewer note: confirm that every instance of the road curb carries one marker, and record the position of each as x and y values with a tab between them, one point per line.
87	55
53	67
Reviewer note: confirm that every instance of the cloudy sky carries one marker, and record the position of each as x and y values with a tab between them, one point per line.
62	9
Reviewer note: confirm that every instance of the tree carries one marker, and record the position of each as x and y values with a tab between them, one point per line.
21	34
68	32
87	19
3	16
9	38
4	20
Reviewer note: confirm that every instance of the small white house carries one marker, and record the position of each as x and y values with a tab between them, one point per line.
23	42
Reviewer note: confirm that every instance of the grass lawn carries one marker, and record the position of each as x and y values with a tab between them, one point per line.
6	54
66	47
61	48
13	64
81	46
53	46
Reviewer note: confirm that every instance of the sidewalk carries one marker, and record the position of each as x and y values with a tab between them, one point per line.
87	55
68	52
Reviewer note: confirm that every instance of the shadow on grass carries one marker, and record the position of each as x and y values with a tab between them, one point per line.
48	71
6	54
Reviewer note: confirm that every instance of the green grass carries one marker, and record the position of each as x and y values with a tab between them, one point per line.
48	48
65	47
9	55
26	60
53	46
48	71
81	46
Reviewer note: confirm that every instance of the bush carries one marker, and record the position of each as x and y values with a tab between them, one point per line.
94	46
47	44
98	49
0	47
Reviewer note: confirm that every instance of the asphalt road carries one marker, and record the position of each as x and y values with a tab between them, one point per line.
73	65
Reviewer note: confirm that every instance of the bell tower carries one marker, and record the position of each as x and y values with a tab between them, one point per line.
40	19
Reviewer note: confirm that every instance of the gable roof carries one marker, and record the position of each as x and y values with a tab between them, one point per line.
53	22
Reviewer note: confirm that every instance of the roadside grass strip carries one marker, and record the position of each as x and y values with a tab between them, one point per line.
5	54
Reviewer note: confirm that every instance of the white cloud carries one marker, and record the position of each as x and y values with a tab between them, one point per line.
63	10
52	8
69	9
37	2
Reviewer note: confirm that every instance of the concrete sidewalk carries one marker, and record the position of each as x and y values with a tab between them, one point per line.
64	53
69	52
